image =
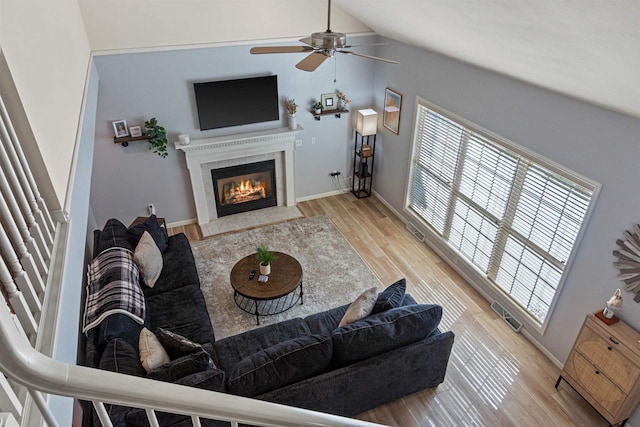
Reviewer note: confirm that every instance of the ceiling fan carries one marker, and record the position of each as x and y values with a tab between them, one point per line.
320	46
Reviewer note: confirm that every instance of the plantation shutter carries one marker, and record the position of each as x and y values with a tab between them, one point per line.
512	217
435	164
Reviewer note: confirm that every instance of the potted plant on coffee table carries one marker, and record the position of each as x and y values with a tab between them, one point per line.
265	256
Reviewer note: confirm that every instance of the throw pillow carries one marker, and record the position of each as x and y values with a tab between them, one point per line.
119	356
152	354
384	332
391	297
149	259
182	366
151	225
361	307
114	234
176	345
280	365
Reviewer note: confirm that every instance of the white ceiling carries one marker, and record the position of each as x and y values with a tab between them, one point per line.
587	49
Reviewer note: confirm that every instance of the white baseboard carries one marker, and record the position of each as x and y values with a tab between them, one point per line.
181	223
321	195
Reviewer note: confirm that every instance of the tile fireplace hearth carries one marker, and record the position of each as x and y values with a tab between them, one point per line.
220	153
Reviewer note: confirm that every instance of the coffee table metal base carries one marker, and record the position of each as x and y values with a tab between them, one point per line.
268	307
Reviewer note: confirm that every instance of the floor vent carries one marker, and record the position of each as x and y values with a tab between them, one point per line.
514	323
414	230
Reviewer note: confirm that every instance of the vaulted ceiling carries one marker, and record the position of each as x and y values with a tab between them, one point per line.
587	49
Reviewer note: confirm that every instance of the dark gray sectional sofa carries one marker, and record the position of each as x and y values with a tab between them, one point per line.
309	363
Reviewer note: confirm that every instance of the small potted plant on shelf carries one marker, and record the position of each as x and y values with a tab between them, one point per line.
318	107
342	100
266	257
157	137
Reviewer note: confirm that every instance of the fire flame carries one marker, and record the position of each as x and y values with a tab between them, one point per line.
244	191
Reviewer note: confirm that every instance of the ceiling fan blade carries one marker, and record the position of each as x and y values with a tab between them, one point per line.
280	49
311	62
365	45
307	40
368	56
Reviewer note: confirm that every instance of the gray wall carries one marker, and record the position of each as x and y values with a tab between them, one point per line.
597	143
159	84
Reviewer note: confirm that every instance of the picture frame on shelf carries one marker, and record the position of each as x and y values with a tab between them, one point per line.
135	131
392	109
120	128
329	101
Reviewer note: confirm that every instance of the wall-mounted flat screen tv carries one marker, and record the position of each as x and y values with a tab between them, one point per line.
237	102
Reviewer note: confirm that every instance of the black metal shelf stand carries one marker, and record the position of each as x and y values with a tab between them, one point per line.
362	177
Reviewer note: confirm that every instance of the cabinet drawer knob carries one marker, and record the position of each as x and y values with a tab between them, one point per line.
597	372
613	340
609	348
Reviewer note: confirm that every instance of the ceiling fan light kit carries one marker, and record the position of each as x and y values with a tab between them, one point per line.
320	46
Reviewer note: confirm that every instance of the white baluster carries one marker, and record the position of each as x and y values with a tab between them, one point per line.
37	203
9	401
19	276
19	205
35	270
17	301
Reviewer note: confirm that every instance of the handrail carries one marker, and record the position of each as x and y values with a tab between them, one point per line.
36	371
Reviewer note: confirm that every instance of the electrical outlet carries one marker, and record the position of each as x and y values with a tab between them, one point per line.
152	209
313	139
298	143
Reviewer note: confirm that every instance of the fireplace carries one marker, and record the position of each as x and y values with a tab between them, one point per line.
244	187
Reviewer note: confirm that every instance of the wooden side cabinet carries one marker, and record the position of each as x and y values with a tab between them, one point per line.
604	368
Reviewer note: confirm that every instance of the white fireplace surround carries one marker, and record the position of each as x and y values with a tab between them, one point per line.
206	154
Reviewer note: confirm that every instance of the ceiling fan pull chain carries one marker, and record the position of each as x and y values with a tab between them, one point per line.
335	69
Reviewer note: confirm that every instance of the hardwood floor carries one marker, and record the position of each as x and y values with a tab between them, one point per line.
495	376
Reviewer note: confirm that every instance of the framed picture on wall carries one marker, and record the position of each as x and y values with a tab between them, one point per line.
329	101
392	106
120	128
135	131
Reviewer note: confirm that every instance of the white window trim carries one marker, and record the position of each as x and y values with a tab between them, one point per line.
469	272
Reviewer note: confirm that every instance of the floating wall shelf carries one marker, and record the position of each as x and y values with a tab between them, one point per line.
126	139
335	113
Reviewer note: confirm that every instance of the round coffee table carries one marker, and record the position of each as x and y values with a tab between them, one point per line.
276	295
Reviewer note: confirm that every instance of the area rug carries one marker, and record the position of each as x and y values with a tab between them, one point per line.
333	272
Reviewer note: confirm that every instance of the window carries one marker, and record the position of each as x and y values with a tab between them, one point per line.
514	216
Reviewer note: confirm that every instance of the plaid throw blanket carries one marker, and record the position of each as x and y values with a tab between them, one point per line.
112	288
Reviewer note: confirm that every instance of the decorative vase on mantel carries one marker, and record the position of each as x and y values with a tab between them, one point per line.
293	124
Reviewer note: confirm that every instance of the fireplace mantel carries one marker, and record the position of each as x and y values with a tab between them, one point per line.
209	150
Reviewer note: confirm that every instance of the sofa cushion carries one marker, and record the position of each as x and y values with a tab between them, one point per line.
119	356
182	367
152	354
231	350
119	325
176	345
207	380
391	297
150	225
326	321
280	365
384	331
113	234
149	259
361	307
182	311
179	267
